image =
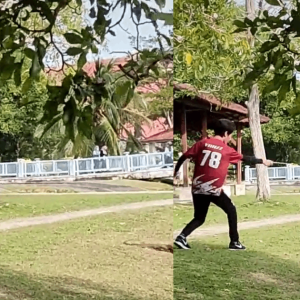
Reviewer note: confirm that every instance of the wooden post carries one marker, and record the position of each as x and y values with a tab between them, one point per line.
204	124
239	150
184	145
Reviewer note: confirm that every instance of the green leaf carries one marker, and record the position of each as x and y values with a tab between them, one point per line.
137	10
111	32
48	126
124	93
248	22
294	84
161	3
26	18
251	77
79	2
146	9
265	29
167	39
41	51
253	30
17	74
35	67
74	51
46	11
285	88
29	53
275	83
295	111
92	13
26	85
73	38
167	17
239	23
82	60
94	49
273	2
267	46
238	30
278	63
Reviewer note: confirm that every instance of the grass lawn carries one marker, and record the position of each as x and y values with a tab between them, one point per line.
268	269
247	207
35	205
87	259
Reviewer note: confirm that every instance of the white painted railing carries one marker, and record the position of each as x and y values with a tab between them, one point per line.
85	166
288	173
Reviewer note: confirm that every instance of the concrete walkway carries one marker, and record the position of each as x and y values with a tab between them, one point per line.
26	222
219	229
88	193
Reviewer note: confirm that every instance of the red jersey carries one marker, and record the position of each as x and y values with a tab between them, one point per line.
212	158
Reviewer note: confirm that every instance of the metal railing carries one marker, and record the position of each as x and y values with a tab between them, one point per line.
288	173
85	166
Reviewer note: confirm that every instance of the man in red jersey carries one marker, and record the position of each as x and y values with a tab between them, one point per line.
212	157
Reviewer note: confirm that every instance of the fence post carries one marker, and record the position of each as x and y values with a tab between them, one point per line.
128	169
107	163
164	158
72	168
37	167
77	173
20	173
289	172
247	173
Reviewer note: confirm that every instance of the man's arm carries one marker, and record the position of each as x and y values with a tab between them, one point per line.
181	160
235	157
252	160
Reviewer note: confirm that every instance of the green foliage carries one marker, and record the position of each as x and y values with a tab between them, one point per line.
278	52
207	54
83	109
18	123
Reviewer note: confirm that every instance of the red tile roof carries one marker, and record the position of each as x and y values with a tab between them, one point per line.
210	99
157	126
164	136
90	69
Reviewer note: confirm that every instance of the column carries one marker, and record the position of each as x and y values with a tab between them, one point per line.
184	145
239	150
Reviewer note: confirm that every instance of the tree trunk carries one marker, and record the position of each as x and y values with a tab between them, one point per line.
263	184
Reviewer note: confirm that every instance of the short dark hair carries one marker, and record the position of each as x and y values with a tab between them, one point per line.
224	125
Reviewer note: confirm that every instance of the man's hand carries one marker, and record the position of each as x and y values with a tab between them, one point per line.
268	162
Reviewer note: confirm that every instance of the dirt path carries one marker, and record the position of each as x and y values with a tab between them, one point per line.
219	229
87	193
26	222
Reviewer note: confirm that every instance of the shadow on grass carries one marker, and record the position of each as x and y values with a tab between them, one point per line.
15	285
212	272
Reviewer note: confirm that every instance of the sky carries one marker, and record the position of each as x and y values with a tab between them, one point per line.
121	41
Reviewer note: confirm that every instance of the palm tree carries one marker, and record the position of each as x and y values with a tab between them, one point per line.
93	110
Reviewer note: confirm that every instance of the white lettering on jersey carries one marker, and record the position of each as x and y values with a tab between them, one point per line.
214	161
213	146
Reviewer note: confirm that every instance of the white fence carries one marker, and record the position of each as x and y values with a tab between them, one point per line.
85	166
288	173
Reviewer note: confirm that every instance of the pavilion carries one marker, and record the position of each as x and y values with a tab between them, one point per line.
198	113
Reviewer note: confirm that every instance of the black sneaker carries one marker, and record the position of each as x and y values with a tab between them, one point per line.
181	243
236	246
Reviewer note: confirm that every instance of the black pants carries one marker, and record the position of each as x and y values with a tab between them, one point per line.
201	205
